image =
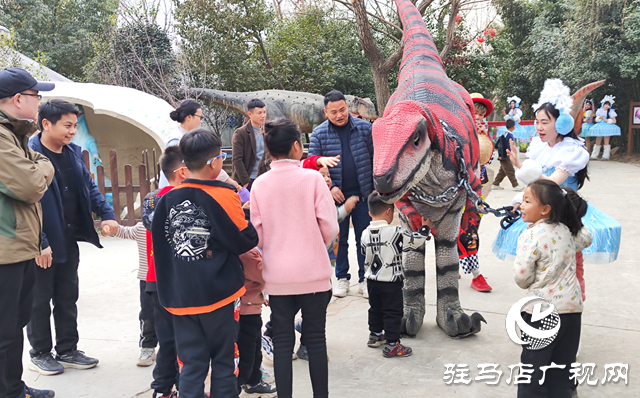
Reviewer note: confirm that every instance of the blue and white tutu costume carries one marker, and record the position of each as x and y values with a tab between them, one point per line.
568	155
602	128
588	118
522	133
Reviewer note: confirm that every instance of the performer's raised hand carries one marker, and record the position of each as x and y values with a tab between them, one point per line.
513	154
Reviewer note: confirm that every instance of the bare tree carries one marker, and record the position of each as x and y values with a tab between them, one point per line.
382	18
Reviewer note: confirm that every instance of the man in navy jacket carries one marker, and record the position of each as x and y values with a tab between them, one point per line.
66	210
349	137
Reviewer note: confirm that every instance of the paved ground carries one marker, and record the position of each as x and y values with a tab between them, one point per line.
108	323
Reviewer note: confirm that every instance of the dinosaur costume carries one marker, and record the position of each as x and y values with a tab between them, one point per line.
306	109
426	160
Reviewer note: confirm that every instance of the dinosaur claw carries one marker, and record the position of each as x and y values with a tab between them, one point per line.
413	323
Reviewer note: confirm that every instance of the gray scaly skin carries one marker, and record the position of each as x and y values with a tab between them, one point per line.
305	109
446	218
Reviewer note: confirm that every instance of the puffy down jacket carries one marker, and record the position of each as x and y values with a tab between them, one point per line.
326	142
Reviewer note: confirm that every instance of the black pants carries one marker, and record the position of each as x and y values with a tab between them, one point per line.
148	337
58	283
314	313
165	373
16	301
562	351
385	308
250	349
208	339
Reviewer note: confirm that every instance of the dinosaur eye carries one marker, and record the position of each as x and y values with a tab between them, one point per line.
416	140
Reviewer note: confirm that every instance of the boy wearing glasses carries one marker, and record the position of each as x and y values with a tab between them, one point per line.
199	231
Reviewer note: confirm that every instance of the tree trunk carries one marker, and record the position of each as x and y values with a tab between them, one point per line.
381	84
380	67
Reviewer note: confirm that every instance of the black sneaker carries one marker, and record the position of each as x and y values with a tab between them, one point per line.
376	341
45	365
262	390
77	360
33	393
302	353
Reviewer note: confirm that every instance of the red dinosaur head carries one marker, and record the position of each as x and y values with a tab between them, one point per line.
403	148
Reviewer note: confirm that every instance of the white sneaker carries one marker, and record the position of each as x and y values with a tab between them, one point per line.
342	288
362	289
518	188
496	188
147	356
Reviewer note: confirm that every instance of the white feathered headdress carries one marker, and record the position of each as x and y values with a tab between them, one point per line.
609	99
556	93
514	98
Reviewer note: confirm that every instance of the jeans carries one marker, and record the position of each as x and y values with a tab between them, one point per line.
361	220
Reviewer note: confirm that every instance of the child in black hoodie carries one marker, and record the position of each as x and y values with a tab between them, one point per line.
199	230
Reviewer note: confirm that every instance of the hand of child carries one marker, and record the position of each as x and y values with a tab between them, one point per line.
350	204
326	161
247	205
234	183
428	223
337	194
109	227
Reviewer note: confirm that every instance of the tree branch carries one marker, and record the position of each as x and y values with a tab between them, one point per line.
424	5
451	29
387	34
393	58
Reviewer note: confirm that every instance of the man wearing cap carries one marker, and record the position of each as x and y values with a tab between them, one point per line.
24	178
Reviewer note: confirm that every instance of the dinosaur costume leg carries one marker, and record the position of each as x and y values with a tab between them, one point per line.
450	316
413	290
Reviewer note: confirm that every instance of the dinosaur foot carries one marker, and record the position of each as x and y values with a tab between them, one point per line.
411	322
460	325
476	325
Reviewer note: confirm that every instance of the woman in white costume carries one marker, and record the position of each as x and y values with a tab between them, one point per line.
558	154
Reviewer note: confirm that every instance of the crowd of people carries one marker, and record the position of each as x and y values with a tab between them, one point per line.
214	249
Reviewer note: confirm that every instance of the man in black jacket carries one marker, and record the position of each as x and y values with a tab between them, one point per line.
66	211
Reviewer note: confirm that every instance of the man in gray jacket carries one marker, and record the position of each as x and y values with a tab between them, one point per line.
24	178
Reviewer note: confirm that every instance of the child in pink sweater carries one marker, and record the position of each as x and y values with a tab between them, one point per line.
296	269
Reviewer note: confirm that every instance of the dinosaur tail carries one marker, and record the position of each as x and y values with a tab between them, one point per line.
578	101
228	99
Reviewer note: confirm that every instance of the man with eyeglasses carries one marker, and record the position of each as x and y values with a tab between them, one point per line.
24	178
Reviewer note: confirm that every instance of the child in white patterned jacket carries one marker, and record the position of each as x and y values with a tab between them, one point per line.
546	265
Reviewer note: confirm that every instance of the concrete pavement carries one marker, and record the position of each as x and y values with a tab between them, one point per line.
109	304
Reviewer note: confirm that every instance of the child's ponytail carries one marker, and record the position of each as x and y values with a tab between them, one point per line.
567	207
570	216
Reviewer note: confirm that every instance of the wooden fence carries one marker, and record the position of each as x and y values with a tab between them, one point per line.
134	194
148	180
